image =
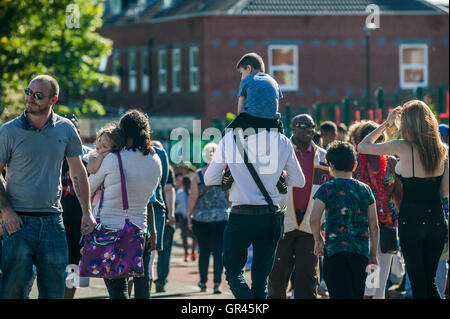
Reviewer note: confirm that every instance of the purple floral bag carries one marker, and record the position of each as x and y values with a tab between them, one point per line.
110	253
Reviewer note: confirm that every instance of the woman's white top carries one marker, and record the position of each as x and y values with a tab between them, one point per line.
142	176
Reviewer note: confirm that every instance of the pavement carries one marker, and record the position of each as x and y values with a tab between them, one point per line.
182	281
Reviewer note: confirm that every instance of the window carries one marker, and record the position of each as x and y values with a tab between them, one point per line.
145	80
116	6
132	71
413	65
162	71
116	69
193	69
176	70
283	66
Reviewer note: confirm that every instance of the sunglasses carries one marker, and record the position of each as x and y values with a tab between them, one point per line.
36	95
304	125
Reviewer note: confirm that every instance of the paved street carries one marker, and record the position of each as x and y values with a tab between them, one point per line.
183	279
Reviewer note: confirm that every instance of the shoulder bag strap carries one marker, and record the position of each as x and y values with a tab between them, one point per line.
123	185
253	172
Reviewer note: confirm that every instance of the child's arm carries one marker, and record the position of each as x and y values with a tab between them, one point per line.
95	162
240	104
374	233
314	223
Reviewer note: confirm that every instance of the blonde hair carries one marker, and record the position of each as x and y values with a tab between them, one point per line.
354	135
111	131
208	152
420	128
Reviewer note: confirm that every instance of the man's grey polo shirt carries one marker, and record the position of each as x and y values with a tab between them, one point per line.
33	161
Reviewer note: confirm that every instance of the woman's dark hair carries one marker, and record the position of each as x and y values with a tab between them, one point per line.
135	125
342	155
367	128
186	184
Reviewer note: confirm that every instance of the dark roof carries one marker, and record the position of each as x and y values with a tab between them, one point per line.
327	7
153	10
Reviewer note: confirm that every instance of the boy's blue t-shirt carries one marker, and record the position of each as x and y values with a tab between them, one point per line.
261	93
346	219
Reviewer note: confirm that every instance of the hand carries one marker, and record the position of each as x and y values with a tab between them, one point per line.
171	220
87	223
189	224
318	248
11	220
150	242
393	114
373	260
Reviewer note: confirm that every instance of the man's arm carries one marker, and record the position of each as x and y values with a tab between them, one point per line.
10	219
150	245
169	194
80	182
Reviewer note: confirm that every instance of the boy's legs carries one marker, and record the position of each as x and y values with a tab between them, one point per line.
203	232
337	275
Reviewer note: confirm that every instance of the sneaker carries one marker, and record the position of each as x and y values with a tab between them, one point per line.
186	258
217	289
202	286
159	288
194	256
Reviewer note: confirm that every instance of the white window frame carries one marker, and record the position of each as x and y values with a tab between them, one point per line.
273	68
116	70
194	69
403	67
175	69
132	81
145	77
162	71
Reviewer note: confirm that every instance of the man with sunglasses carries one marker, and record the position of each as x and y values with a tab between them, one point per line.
296	249
32	149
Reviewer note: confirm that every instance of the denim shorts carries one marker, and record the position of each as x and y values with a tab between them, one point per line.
40	241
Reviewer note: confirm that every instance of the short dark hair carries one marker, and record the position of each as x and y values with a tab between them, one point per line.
252	59
328	128
342	155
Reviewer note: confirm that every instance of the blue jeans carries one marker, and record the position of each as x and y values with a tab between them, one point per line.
242	230
41	241
163	264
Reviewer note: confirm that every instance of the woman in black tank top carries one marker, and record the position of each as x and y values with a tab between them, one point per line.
422	228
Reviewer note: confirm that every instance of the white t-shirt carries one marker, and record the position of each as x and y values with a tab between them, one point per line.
142	176
269	152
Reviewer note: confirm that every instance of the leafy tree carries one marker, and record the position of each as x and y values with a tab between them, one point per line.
55	37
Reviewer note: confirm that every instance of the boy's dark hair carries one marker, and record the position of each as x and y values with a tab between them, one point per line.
328	128
342	155
252	59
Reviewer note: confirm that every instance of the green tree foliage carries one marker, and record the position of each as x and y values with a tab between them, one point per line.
55	37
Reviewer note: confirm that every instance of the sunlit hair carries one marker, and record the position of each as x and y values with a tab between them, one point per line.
208	152
112	132
367	127
49	79
135	125
354	133
420	128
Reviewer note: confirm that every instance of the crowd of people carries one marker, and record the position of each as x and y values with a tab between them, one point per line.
336	206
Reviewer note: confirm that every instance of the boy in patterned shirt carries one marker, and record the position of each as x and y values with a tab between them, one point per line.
349	219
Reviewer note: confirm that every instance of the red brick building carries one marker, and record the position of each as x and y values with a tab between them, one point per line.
177	58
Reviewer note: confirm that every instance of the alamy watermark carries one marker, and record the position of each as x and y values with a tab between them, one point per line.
73	17
373	19
260	148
